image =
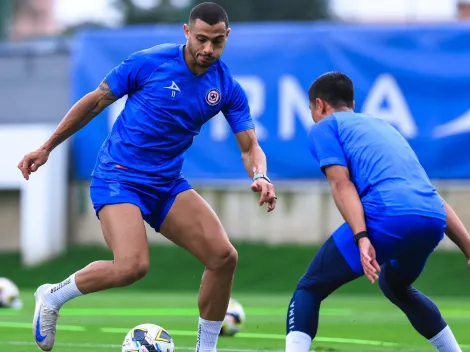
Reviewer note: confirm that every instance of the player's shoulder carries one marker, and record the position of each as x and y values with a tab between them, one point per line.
158	54
228	84
224	73
344	116
350	120
223	68
327	122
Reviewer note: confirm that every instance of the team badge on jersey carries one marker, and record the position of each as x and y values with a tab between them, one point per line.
213	97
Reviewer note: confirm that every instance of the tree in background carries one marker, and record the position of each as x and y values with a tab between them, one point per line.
239	10
274	10
160	12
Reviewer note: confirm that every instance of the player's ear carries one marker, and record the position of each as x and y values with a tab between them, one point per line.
319	104
354	105
186	31
228	32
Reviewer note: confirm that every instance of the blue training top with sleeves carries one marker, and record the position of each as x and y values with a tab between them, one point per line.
383	167
165	109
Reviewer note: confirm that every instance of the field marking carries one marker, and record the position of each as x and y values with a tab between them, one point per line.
189	312
89	345
339	340
16	325
269	337
176	312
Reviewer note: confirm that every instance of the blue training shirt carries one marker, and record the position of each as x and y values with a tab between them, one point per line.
383	167
166	107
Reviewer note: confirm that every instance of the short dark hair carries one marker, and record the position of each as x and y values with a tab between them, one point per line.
335	88
209	12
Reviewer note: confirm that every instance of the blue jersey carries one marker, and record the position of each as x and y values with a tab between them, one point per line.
383	167
166	107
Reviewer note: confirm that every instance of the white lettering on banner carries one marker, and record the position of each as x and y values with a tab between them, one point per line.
397	112
256	93
293	102
293	105
457	126
114	111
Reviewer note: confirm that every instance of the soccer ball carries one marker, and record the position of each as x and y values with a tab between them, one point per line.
148	338
234	319
9	294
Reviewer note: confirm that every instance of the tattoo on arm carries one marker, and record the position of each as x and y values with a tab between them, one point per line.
108	94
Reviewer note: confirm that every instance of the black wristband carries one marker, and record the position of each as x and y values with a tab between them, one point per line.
360	235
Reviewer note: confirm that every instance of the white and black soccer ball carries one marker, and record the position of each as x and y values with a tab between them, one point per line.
9	294
234	319
148	338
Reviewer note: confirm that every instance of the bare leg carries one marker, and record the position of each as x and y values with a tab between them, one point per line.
193	225
124	232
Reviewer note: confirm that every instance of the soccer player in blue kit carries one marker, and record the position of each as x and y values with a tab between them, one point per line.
394	217
172	91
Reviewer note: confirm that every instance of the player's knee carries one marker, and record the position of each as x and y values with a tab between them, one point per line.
392	289
318	288
132	271
225	259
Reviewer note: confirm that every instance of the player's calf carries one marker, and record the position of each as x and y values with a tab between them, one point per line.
217	282
214	295
327	272
421	311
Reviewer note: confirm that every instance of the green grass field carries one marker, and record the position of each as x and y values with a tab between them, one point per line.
99	322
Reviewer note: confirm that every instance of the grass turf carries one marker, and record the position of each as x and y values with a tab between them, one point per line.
348	323
280	267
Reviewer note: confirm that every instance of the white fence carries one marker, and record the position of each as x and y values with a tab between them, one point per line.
43	200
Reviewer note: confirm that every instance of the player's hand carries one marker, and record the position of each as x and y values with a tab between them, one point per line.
368	260
32	161
268	194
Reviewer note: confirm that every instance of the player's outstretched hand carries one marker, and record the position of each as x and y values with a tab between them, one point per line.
368	260
32	161
268	194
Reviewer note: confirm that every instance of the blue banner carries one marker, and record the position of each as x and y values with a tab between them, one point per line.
417	78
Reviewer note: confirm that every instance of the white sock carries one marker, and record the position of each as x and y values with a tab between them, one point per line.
297	341
207	335
445	341
57	295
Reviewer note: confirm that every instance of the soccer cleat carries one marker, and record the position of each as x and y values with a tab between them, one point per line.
45	321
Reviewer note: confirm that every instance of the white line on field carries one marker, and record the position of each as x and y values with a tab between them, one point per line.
320	339
89	345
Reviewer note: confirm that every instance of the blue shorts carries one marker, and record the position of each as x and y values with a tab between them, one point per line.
402	243
405	242
154	201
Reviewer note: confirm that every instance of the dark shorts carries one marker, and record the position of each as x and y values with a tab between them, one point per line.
154	201
402	243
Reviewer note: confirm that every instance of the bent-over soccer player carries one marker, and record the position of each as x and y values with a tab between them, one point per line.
394	217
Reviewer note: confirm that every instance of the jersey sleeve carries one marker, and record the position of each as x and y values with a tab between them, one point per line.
325	145
237	111
129	75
